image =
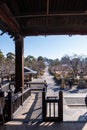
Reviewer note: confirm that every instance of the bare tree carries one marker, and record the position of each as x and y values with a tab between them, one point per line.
75	63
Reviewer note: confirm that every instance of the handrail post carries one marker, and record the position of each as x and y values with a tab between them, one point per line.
60	108
45	85
9	105
2	105
43	105
22	96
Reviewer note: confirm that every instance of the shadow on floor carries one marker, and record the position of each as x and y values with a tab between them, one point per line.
83	117
35	111
47	126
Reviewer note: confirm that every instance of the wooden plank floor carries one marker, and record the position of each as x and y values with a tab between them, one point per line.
45	126
29	118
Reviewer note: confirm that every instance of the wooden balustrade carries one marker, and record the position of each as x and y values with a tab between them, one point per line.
52	107
14	101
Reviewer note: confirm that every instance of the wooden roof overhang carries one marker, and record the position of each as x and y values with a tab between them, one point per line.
43	17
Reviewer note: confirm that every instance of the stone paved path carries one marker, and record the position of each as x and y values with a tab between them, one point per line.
77	111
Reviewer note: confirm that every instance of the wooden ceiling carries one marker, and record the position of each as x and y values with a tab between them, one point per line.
43	17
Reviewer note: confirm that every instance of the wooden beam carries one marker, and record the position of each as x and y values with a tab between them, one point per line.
47	7
56	31
7	17
15	6
19	64
56	14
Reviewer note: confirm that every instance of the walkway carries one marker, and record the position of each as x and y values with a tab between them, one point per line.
46	126
28	116
31	110
74	99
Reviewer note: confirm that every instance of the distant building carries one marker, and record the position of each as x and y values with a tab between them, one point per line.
29	73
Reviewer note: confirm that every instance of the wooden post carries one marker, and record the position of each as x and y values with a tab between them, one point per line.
2	104
19	64
45	85
9	105
43	105
22	97
60	108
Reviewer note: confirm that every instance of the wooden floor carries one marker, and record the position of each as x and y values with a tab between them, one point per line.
29	118
45	126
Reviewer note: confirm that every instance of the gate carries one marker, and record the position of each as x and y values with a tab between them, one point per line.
52	107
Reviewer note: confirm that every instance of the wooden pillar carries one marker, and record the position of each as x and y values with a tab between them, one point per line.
43	105
10	111
19	64
60	108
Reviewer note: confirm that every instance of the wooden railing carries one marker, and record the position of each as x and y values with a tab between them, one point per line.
35	85
52	107
14	101
5	87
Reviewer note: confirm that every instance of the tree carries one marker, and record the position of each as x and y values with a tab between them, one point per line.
10	56
54	62
65	59
30	58
30	61
35	64
2	60
40	58
74	63
1	55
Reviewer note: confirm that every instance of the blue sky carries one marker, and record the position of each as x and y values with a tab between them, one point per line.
47	46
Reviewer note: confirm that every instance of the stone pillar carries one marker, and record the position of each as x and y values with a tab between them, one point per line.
19	64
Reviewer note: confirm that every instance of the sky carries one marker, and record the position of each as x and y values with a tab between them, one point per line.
47	46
